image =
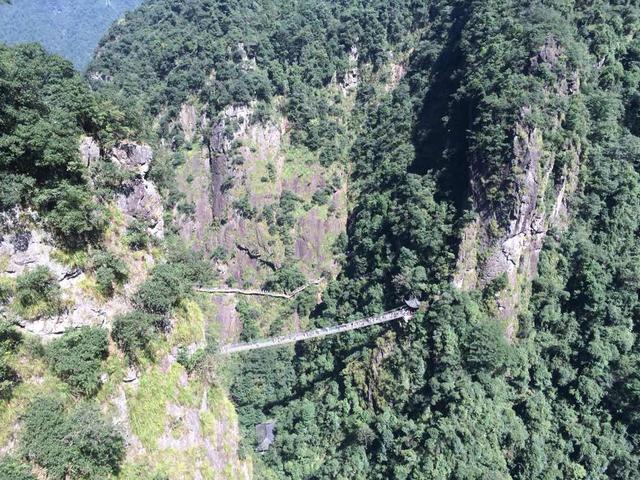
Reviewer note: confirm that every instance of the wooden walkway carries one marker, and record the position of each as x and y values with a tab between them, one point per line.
402	312
260	293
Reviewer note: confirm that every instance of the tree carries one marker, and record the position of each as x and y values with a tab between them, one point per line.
132	332
162	290
79	444
76	358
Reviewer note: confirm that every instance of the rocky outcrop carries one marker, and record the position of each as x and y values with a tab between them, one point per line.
488	252
245	160
89	150
139	198
352	75
133	157
28	248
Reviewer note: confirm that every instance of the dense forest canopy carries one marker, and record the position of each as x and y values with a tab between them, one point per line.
449	394
45	109
70	28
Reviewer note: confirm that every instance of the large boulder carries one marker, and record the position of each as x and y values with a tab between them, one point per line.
133	157
89	150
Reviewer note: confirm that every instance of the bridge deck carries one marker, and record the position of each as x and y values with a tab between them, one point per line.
402	312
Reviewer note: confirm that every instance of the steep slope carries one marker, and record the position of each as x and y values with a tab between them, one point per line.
479	155
84	253
71	29
487	151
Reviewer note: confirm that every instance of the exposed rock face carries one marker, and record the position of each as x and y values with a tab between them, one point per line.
539	204
234	166
352	76
36	249
142	201
89	150
139	198
187	121
133	157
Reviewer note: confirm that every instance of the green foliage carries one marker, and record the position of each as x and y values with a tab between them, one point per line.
162	290
285	279
71	29
76	358
109	270
192	361
8	378
37	293
12	469
449	394
249	317
133	332
244	208
169	283
286	207
137	237
46	107
10	338
287	48
78	444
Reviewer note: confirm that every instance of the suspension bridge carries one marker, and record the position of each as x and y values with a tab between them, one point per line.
405	313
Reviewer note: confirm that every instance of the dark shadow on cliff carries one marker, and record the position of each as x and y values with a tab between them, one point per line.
442	121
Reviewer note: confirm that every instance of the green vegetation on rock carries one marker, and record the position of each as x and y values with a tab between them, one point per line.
74	444
76	358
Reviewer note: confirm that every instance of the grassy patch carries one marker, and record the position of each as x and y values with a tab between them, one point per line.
148	404
7	288
4	261
70	258
189	327
115	367
36	381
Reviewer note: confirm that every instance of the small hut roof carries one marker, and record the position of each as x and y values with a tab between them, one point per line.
413	303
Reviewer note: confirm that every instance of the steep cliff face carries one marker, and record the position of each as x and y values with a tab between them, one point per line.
172	421
25	245
542	187
260	203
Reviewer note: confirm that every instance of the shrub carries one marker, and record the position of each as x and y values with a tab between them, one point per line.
162	290
8	378
10	338
244	208
190	361
75	358
80	444
6	290
72	214
109	270
137	237
132	332
37	293
12	469
286	208
287	279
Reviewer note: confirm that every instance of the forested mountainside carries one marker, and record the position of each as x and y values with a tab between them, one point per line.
481	156
71	28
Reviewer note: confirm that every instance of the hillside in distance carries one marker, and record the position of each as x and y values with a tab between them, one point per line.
71	28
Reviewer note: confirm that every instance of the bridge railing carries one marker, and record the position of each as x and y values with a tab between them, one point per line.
401	312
